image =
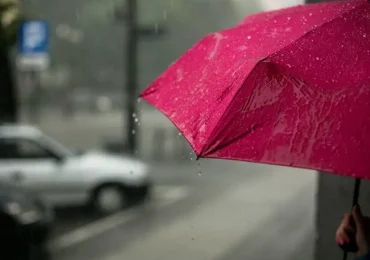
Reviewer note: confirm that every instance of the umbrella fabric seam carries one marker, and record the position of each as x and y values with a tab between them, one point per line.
209	140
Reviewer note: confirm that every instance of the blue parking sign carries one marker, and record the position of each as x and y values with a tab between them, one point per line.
33	37
33	45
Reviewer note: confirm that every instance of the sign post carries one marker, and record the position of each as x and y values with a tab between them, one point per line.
32	58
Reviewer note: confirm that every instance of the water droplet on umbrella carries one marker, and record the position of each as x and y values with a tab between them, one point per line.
365	35
289	18
317	58
249	37
310	14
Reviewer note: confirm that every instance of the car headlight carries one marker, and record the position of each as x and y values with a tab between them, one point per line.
26	213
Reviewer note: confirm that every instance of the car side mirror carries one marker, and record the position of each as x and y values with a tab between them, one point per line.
59	159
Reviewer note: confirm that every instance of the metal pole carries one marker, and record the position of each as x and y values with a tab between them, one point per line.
36	96
8	91
131	76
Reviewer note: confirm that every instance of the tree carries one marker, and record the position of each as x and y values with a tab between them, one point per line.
10	19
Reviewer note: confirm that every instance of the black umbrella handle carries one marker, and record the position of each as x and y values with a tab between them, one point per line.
352	245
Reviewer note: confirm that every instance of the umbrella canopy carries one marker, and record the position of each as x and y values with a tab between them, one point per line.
288	87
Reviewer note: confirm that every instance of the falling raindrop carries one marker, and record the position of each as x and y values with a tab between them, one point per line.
133	132
136	120
133	115
78	15
138	100
180	134
199	169
165	15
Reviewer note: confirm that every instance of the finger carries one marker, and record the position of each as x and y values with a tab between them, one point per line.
348	230
346	221
345	224
342	237
345	230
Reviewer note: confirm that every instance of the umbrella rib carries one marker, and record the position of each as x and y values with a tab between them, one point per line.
225	144
209	140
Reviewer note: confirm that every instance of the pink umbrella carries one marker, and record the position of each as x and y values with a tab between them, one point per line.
289	87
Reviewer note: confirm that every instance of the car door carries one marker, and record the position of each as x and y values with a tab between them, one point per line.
26	164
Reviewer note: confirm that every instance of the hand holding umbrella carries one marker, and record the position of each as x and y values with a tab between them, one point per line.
358	231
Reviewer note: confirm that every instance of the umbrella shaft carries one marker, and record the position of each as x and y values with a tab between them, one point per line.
356	192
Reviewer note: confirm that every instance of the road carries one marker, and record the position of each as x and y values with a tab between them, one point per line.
229	211
216	211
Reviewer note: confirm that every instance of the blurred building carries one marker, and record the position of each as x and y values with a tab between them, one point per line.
87	39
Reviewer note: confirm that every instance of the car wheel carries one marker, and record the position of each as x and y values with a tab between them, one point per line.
109	199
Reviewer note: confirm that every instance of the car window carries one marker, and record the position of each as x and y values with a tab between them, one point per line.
22	149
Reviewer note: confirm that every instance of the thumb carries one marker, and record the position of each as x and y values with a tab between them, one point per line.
358	218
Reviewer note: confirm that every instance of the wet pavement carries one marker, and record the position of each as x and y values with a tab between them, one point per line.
230	211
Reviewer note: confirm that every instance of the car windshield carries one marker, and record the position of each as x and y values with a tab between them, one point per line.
55	146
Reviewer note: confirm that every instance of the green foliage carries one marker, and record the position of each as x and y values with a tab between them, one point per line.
10	17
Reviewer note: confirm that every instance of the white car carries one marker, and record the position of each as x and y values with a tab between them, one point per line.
36	162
